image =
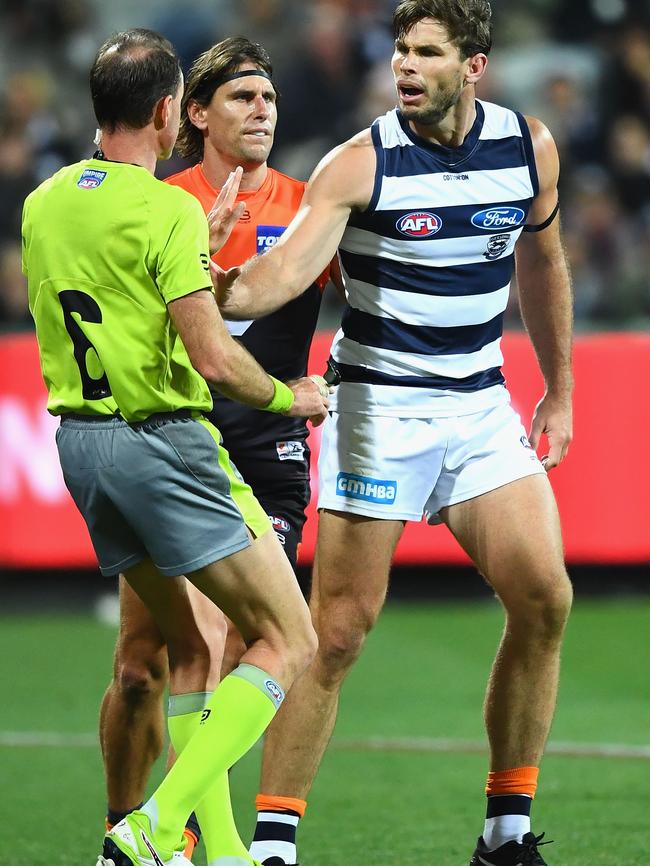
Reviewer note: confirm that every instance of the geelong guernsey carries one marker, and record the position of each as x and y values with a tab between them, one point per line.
106	247
428	268
280	342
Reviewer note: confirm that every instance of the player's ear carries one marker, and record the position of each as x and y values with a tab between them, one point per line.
162	112
476	66
197	114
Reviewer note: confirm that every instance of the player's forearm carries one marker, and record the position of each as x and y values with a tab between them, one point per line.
221	360
547	310
265	285
270	281
238	376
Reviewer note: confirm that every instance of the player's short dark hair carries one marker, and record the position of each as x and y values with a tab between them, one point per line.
207	73
468	22
132	71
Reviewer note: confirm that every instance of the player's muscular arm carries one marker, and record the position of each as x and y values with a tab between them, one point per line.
336	277
226	365
343	181
546	302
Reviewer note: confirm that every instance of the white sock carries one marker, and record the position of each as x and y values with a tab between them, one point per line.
505	828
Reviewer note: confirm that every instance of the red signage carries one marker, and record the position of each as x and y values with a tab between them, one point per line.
603	487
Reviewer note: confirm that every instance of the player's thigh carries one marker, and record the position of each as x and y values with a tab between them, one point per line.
233	651
257	589
213	627
169	603
513	536
351	568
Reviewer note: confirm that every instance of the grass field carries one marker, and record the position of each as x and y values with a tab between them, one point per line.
402	783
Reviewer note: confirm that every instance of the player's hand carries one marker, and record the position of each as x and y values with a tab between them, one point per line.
225	213
322	384
223	283
552	417
309	401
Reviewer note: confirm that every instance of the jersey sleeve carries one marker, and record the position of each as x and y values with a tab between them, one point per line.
24	234
183	264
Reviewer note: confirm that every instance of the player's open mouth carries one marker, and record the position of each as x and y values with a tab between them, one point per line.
257	133
409	92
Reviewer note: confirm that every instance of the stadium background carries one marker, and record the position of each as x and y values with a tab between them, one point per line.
583	67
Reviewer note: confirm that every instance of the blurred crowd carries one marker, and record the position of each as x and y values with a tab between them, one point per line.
582	66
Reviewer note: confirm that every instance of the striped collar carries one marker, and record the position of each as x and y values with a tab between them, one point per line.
451	156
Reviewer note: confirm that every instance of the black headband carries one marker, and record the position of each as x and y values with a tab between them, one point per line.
207	87
234	75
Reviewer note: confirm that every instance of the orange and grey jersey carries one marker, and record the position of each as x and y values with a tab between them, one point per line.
280	342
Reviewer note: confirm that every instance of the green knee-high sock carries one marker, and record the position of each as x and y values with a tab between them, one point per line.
235	717
214	812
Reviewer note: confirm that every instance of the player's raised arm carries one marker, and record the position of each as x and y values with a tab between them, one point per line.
546	302
225	212
341	183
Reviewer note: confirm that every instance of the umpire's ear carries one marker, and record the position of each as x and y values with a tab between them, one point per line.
162	112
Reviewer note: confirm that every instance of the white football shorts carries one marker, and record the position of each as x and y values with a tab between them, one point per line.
407	468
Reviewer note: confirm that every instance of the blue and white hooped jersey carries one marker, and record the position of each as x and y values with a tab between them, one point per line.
428	267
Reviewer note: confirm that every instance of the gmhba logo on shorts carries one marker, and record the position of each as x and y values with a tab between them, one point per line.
498	218
364	487
419	224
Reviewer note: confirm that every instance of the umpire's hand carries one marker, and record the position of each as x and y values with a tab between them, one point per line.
309	401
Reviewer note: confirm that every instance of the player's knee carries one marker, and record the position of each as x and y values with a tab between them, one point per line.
558	603
338	651
341	640
543	609
139	682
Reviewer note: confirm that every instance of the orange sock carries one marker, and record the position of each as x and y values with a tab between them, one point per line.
271	803
520	780
191	841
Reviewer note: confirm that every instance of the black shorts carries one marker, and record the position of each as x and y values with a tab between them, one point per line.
278	472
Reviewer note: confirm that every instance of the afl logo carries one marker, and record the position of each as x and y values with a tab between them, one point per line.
274	691
91	179
419	224
498	218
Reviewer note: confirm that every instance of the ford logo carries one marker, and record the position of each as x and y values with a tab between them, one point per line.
419	224
498	218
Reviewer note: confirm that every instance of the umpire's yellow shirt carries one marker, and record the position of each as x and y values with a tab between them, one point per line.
106	246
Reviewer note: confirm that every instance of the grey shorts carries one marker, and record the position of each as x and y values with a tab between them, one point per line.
163	489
